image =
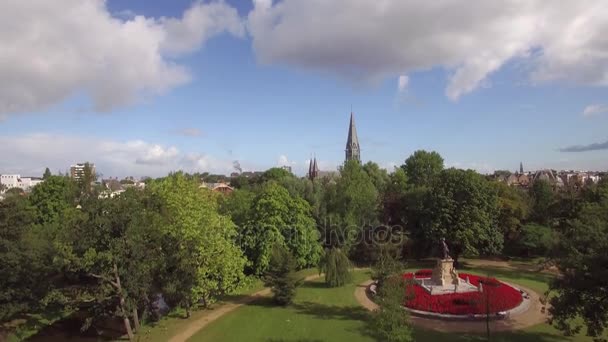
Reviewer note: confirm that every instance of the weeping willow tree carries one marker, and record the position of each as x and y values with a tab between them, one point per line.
336	266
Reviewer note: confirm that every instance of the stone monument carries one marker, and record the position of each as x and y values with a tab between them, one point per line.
444	272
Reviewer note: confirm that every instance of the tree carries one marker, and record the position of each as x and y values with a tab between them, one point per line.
535	239
25	271
422	167
336	266
109	250
513	210
464	208
387	265
390	321
543	198
278	218
276	174
52	197
47	173
581	287
280	275
378	176
201	260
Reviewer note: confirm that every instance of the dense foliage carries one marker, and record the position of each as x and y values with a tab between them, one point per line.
65	247
390	321
281	276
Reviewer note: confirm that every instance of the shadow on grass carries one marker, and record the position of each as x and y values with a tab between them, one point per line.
334	312
314	285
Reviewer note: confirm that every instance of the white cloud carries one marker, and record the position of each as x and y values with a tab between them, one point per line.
284	161
594	110
402	83
471	39
52	50
30	154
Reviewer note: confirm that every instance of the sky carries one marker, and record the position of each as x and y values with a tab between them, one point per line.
142	88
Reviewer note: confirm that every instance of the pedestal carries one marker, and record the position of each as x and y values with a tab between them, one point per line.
444	273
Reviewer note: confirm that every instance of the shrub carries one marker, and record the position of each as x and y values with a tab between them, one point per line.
336	266
280	275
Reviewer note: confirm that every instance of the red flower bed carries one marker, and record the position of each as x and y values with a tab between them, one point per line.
501	297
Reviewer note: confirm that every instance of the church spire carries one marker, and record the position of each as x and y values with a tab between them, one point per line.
521	168
352	142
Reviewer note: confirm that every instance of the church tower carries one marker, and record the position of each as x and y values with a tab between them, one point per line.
352	142
313	169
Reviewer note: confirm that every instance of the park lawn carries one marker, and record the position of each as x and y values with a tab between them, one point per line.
175	321
332	314
317	314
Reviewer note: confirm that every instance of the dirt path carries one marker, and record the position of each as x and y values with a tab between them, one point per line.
530	317
218	312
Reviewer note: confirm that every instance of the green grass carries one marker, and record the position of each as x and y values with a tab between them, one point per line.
175	321
332	314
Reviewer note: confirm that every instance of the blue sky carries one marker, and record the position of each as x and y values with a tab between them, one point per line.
267	104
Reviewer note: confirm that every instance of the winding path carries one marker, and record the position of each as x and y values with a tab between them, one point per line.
532	316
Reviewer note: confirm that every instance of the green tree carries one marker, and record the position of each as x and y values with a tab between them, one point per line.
25	271
278	218
535	240
581	287
52	197
276	174
378	176
422	167
464	208
390	321
47	173
513	210
543	198
109	250
202	260
281	276
336	266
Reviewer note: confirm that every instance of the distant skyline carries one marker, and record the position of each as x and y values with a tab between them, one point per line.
142	88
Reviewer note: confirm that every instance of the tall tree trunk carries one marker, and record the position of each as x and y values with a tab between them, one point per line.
136	319
121	306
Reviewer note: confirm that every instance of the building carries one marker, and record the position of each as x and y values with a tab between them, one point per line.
286	168
352	142
77	170
313	169
220	187
16	181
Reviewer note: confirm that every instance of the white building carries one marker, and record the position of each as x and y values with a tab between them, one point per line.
16	181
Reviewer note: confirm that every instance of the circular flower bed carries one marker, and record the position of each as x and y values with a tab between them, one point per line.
496	296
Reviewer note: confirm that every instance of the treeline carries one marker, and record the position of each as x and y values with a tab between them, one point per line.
62	247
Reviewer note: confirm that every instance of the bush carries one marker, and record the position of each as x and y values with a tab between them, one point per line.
390	322
386	266
336	266
280	275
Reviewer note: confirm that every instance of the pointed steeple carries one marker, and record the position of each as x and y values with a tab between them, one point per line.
313	168
352	142
521	168
310	168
